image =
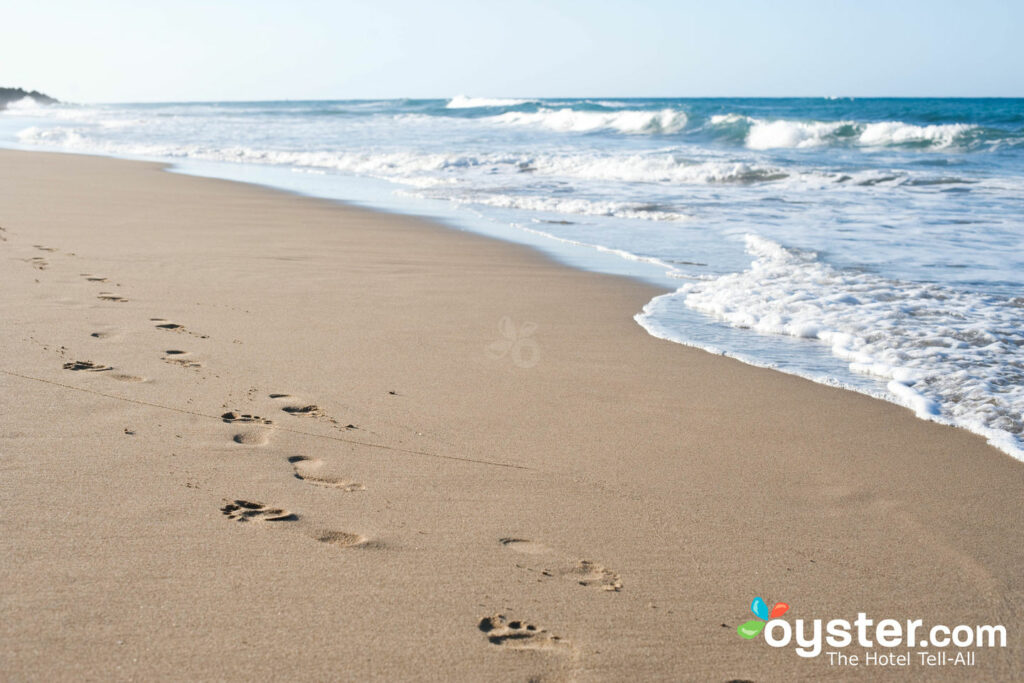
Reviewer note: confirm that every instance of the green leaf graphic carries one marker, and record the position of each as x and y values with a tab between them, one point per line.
750	629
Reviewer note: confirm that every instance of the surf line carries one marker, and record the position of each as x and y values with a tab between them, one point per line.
477	461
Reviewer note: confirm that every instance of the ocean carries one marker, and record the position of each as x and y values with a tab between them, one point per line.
874	244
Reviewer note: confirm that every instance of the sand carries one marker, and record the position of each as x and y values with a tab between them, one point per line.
317	442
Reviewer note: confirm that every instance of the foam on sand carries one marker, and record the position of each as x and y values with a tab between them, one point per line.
946	354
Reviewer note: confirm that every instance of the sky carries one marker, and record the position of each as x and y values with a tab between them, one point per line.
187	50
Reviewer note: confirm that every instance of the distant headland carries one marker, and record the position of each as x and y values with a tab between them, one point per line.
8	95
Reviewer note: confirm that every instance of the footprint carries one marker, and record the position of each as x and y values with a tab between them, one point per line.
122	377
93	278
232	416
299	409
162	324
310	410
251	438
519	635
343	539
42	248
38	262
589	573
306	469
175	357
584	572
87	366
108	296
247	511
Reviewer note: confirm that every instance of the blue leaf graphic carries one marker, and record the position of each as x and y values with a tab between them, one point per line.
759	608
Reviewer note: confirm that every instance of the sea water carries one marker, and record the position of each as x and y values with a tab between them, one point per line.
876	244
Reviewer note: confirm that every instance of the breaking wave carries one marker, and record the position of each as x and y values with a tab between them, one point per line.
464	102
636	122
760	134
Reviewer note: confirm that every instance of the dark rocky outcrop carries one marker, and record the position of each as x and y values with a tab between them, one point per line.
8	95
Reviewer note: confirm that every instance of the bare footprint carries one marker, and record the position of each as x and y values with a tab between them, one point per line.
584	572
310	410
109	296
297	408
247	511
253	437
233	416
86	366
343	539
162	324
519	635
123	377
307	469
176	357
589	573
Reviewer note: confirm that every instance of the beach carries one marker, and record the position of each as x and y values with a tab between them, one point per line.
248	434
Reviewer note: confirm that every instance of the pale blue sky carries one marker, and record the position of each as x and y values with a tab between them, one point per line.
138	50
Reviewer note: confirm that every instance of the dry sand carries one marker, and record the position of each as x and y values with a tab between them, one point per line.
493	435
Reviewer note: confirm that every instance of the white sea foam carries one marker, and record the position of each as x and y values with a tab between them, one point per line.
664	122
585	207
648	168
670	269
654	168
897	133
798	134
464	102
783	133
947	354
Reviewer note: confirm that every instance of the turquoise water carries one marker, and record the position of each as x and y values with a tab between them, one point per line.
873	243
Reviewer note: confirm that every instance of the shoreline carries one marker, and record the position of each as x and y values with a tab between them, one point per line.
692	481
593	261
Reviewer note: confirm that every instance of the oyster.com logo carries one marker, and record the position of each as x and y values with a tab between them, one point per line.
882	642
749	630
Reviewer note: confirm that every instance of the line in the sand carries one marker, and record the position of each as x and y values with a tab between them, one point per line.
150	404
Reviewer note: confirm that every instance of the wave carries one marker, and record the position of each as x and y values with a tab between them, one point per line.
655	168
896	133
637	122
761	134
663	168
585	207
949	355
464	102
